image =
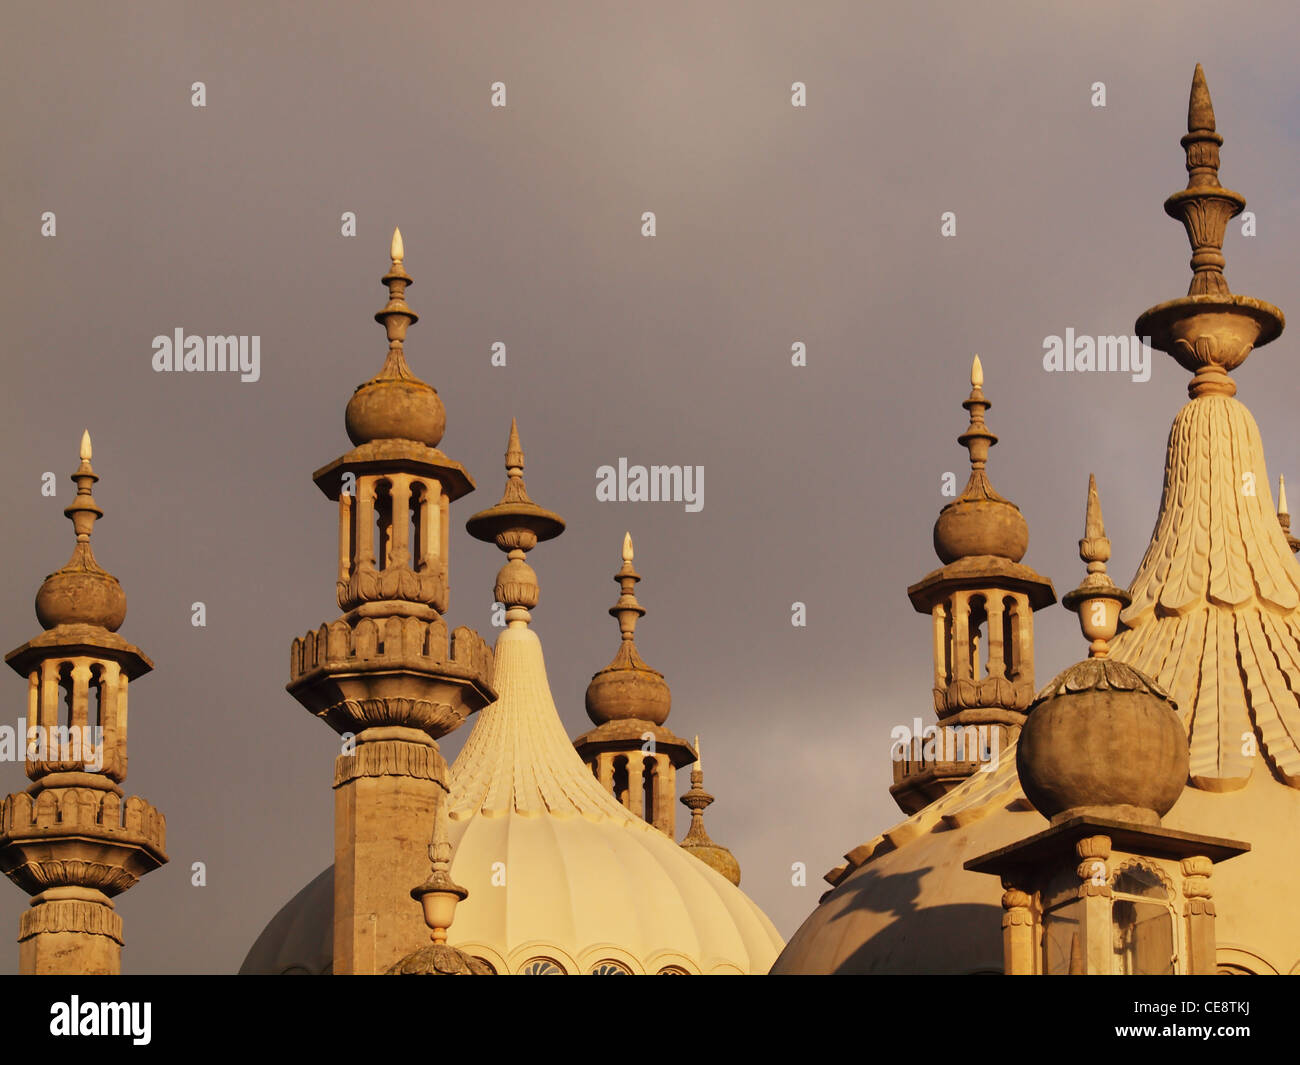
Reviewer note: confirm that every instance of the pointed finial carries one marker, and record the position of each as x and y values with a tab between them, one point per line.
83	510
1204	206
82	592
1097	600
396	250
1200	109
699	756
977	373
697	840
516	525
1284	516
396	316
627	688
514	451
1211	331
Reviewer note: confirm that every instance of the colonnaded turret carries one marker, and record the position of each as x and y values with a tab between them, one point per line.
631	750
385	676
1213	621
71	840
982	605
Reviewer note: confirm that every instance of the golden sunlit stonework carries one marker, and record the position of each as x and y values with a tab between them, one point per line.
1134	816
1173	748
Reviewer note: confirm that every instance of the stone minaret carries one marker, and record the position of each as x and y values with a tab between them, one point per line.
71	840
630	750
982	603
385	676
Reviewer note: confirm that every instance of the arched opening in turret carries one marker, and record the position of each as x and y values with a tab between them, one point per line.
95	709
383	528
620	778
978	629
1010	633
650	777
65	688
418	533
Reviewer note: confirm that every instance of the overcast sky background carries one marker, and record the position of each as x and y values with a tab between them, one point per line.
522	225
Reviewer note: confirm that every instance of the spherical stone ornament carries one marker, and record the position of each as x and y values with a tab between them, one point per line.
620	693
969	527
395	408
1103	740
79	596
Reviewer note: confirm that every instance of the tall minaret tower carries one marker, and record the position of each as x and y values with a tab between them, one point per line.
71	840
384	675
982	603
631	751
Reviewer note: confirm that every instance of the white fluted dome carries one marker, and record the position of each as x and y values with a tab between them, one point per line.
559	873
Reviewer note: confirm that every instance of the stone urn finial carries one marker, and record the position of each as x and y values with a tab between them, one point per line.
1103	739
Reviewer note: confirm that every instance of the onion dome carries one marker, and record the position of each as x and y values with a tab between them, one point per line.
395	404
979	521
1103	739
82	592
697	841
627	688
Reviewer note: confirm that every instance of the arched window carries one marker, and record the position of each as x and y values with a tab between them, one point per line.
1142	921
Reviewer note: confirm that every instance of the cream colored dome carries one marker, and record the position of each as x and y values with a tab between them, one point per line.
560	875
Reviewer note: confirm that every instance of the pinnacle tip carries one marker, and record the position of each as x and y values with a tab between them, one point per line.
85	445
1200	109
397	250
977	373
627	547
1281	496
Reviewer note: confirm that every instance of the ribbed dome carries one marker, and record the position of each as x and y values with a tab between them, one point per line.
559	872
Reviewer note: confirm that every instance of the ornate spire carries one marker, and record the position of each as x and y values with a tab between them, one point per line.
977	439
82	592
1210	331
395	404
1097	600
1103	739
697	840
516	525
627	688
1284	515
979	521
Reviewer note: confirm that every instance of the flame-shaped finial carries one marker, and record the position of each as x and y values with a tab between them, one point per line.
977	373
397	250
85	445
699	756
627	547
